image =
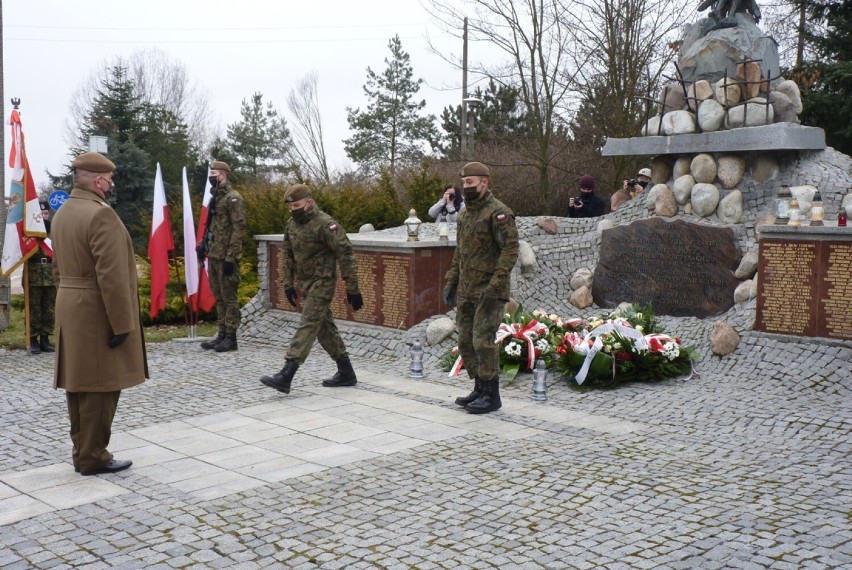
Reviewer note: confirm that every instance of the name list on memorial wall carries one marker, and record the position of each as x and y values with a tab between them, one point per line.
680	268
805	288
785	281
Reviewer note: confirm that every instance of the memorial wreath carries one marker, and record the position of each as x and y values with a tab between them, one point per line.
622	346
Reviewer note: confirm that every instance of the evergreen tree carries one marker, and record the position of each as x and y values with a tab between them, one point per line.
500	118
827	82
391	130
260	140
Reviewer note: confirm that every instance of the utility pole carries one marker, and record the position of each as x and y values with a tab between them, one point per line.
5	282
463	125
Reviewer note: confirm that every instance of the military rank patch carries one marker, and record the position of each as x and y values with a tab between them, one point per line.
501	217
333	227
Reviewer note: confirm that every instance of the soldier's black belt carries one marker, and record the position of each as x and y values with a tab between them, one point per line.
45	260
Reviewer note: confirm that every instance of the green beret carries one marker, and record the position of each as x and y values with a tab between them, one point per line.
219	165
297	192
93	162
474	169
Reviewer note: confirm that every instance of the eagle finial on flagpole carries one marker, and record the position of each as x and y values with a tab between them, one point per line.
16	101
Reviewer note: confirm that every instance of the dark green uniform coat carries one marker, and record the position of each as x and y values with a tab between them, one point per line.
312	252
42	293
486	252
227	229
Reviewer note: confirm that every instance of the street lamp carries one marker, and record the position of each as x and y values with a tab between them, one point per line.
467	130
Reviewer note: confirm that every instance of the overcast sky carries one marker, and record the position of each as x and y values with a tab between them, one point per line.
231	48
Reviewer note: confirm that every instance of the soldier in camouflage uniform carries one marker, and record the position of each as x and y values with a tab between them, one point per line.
314	245
486	251
42	293
222	244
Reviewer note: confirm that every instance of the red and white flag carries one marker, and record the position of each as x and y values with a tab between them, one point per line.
24	222
159	246
206	301
197	289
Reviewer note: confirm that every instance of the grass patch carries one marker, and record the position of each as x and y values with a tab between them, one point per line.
14	338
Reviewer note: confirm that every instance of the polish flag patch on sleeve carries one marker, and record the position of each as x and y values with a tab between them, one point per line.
333	227
501	217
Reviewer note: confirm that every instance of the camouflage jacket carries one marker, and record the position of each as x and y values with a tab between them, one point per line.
486	249
228	226
40	269
312	250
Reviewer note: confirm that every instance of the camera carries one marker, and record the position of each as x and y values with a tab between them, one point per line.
451	197
632	182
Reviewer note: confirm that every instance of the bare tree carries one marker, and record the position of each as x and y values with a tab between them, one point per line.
621	49
165	82
306	128
157	80
535	40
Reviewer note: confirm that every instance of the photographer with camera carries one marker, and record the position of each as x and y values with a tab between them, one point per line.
586	205
638	184
447	209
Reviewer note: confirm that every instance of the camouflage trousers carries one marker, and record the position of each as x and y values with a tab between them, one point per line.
42	304
224	288
316	323
477	323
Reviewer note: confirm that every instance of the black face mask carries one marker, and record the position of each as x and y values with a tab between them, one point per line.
643	183
300	216
471	193
214	181
584	192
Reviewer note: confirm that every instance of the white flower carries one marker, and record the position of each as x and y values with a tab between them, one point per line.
537	313
671	350
640	328
543	346
513	349
638	315
553	316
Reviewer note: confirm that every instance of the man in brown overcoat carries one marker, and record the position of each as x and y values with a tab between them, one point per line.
99	344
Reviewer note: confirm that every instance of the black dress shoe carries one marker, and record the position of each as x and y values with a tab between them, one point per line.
114	466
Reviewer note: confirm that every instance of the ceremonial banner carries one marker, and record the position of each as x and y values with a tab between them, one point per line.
24	221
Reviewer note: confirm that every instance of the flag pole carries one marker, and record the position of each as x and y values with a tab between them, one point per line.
25	278
183	294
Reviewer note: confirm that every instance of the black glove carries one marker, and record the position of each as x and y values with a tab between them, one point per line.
356	300
117	339
450	295
291	295
487	296
228	268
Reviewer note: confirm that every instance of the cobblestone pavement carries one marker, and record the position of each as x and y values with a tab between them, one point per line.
744	466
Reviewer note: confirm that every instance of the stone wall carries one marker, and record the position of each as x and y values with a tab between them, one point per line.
558	256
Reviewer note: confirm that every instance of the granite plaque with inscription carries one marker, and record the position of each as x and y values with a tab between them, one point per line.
682	269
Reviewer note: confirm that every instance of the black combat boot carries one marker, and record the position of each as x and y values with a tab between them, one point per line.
44	345
34	346
281	380
228	344
208	344
344	376
477	390
489	401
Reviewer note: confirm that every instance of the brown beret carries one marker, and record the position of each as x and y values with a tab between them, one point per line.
297	192
93	162
474	169
219	165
